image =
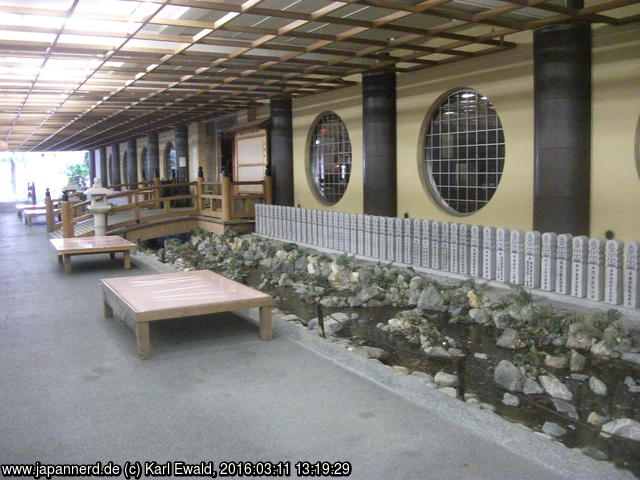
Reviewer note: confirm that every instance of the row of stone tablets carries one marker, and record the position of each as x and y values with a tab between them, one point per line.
577	266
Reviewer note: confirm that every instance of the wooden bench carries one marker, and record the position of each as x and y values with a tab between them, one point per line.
111	244
147	298
21	207
28	215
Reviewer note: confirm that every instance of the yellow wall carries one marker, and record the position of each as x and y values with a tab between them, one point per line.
615	179
347	103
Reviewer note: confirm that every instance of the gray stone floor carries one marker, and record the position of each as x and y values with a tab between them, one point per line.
73	390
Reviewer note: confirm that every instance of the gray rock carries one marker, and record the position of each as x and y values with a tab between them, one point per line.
579	336
595	418
556	361
566	408
423	377
371	352
480	315
553	429
366	294
501	319
579	377
450	391
601	349
436	352
624	427
576	361
594	453
508	339
331	326
430	299
597	386
508	376
635	389
487	406
531	387
631	357
480	356
510	400
291	318
555	387
629	382
472	400
340	317
312	324
416	283
446	379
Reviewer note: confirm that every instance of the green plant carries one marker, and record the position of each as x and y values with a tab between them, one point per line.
519	296
78	174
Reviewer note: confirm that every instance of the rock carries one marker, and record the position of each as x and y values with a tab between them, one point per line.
555	387
624	427
579	336
596	419
635	389
556	361
401	370
553	429
487	406
566	408
291	318
601	348
312	324
430	299
480	356
416	283
476	300
594	453
423	377
473	400
450	391
480	316
511	400
508	339
340	317
399	324
579	377
531	387
331	326
631	357
629	382
597	386
446	379
576	361
436	352
366	294
371	352
508	376
559	341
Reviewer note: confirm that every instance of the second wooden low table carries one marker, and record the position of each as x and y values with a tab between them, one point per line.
65	247
147	298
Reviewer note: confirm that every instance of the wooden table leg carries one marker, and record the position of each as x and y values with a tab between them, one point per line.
127	259
66	260
143	341
108	311
266	332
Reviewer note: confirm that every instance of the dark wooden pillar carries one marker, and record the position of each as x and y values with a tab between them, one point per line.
115	165
153	153
132	161
379	135
92	166
562	111
103	166
182	153
281	150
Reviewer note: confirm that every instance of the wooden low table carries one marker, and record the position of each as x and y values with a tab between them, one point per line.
27	215
110	244
147	298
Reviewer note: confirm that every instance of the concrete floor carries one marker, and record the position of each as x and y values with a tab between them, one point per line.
73	390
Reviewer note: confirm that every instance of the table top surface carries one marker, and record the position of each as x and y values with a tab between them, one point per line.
91	243
164	291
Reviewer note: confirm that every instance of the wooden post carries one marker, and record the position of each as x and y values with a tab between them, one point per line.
67	224
49	206
156	192
268	189
226	198
199	204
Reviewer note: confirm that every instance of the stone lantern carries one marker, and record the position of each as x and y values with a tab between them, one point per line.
69	188
99	207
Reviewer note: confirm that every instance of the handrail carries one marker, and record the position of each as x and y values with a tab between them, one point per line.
222	205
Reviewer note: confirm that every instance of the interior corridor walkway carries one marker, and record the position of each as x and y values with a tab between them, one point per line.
74	391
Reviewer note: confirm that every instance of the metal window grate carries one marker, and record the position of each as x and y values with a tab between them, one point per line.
330	157
464	151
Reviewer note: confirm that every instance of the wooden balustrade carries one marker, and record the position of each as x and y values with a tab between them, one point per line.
210	199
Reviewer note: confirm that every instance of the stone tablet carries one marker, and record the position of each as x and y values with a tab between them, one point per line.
298	220
408	241
360	221
516	257
444	246
464	231
503	250
425	255
353	233
375	236
595	272
454	245
417	241
325	229
398	240
548	262
315	228
382	239
613	261
489	253
342	231
532	259
563	263
579	256
391	225
476	251
631	294
435	245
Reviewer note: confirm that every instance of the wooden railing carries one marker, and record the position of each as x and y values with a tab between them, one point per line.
221	200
